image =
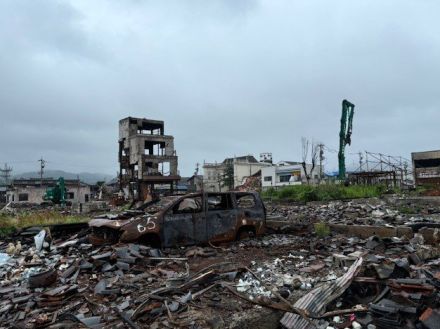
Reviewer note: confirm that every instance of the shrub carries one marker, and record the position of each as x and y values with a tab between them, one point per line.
322	229
307	193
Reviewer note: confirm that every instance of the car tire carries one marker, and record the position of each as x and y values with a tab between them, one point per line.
246	233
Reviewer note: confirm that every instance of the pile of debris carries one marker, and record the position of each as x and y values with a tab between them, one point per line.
336	282
16	207
67	283
299	281
362	218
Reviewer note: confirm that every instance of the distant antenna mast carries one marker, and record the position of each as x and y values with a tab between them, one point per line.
42	165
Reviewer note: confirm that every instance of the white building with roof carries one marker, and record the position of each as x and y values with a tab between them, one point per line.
285	173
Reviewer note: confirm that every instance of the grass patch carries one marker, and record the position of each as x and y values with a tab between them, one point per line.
6	231
10	222
409	210
307	193
322	229
405	210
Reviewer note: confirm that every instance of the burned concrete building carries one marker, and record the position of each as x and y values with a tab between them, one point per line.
147	158
426	167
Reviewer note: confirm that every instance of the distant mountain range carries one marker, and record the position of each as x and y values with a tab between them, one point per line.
86	177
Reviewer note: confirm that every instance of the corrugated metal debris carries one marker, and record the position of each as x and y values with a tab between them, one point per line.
316	300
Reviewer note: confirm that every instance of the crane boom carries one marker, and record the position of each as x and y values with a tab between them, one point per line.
345	134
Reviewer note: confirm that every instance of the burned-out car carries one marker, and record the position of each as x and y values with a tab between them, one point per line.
185	220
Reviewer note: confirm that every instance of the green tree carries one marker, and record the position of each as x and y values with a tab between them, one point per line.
228	176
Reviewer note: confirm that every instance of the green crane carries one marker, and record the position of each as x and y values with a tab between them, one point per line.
58	193
345	134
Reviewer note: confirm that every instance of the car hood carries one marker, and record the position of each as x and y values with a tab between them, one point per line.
110	223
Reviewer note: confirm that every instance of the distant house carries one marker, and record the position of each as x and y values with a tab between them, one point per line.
243	167
32	190
195	183
286	173
182	185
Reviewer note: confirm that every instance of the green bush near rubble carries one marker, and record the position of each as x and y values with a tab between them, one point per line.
322	229
307	193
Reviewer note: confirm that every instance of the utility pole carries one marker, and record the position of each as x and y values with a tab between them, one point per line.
321	158
42	165
5	174
361	163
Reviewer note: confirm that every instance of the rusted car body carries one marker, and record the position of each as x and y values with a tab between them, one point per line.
186	220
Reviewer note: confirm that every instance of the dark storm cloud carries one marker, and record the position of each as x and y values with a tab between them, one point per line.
228	77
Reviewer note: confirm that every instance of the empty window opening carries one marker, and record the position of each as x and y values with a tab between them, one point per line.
23	197
189	206
245	201
157	149
268	178
427	163
165	168
285	178
219	202
70	195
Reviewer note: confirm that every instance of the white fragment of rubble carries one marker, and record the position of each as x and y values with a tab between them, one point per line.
377	213
4	257
252	287
39	240
337	319
356	325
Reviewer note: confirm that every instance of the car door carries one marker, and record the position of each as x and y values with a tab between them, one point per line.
182	222
221	217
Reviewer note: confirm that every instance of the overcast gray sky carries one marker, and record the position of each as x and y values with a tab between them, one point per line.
229	77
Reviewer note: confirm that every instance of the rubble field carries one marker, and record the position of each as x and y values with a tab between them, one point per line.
294	278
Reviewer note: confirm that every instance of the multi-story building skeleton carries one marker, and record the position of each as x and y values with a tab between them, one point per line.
146	157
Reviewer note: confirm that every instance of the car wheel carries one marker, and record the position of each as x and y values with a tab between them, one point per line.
246	234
